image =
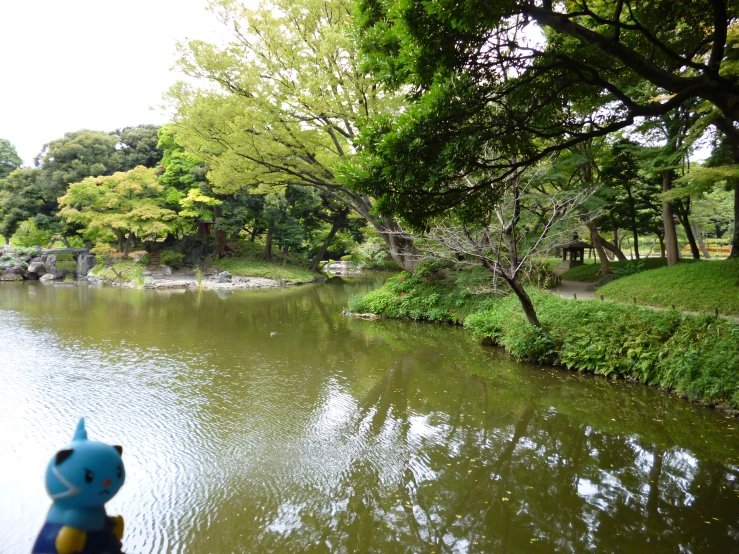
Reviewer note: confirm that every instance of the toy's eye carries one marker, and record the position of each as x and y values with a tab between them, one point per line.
89	476
120	472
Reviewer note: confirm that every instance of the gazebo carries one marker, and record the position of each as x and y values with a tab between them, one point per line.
575	250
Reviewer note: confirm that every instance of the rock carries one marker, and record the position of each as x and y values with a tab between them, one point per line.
224	277
149	282
360	316
5	276
47	277
172	285
50	263
166	270
85	262
37	267
146	273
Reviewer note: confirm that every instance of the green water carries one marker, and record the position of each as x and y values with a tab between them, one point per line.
265	421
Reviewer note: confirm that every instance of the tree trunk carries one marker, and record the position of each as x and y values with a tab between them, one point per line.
636	242
128	244
400	243
613	248
682	215
267	253
402	249
661	245
523	298
605	264
673	252
220	242
337	224
699	238
121	239
735	239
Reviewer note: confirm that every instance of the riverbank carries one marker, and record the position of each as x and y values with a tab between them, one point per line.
697	357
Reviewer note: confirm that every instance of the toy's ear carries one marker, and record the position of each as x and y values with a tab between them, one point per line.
119	448
63	455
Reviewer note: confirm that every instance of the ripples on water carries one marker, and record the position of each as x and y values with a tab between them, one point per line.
337	435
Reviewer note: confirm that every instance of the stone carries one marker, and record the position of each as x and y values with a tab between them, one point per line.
172	285
37	267
224	277
50	263
85	262
47	277
166	270
146	273
5	276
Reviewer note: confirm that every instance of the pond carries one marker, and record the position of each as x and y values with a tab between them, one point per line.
265	421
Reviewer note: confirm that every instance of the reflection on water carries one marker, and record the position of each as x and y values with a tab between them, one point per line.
264	421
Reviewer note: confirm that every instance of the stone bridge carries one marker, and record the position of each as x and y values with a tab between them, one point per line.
85	260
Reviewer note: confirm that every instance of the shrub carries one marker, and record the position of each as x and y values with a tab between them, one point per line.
27	251
631	267
104	252
171	259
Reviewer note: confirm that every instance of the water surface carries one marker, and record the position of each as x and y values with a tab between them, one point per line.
265	421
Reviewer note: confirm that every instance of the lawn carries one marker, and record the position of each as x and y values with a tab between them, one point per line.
588	273
269	270
697	287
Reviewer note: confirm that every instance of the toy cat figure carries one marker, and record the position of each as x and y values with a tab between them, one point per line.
80	479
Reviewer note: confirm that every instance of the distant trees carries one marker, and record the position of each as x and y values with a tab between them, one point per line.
9	159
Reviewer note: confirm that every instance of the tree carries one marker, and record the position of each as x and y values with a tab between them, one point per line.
9	159
137	146
630	193
125	204
284	103
477	79
21	198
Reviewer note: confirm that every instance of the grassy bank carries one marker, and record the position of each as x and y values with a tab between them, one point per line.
269	270
697	287
588	273
697	356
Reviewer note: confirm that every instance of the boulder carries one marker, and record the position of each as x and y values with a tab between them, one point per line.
224	277
166	270
85	262
47	277
50	263
6	276
37	267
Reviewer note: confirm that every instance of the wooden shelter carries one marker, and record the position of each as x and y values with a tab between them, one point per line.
575	251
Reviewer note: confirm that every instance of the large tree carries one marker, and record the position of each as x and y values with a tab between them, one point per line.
21	198
478	77
282	103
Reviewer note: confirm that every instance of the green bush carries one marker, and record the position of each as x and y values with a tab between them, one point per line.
171	259
629	268
27	251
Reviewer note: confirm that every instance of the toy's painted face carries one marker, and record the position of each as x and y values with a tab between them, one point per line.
86	474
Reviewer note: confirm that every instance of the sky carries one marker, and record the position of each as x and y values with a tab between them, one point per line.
89	64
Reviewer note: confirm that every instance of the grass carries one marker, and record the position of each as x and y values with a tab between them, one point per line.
695	355
588	273
448	300
269	270
125	271
695	287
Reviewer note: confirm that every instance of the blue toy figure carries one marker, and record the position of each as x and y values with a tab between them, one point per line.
80	479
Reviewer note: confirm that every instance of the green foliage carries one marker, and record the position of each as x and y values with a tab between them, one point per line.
171	259
698	286
27	250
629	267
21	198
28	234
122	203
9	158
409	296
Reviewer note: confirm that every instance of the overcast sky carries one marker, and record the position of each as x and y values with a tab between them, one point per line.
89	64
